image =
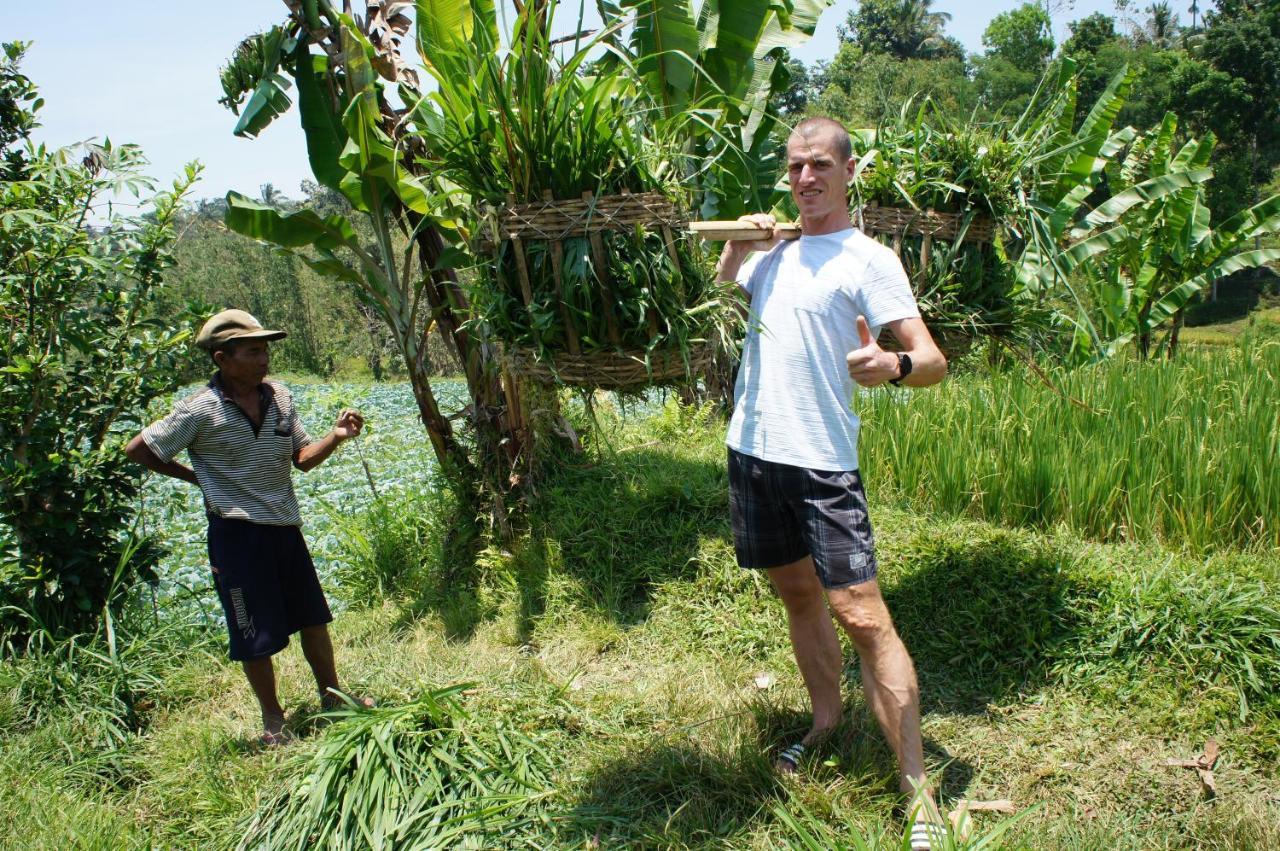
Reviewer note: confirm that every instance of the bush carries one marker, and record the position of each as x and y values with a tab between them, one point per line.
83	350
389	550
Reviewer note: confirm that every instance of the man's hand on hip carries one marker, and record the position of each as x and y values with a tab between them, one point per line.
870	365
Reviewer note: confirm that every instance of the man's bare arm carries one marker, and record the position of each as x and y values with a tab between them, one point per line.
140	453
928	364
871	366
349	424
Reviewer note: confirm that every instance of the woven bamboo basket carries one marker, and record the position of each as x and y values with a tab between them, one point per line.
901	223
552	221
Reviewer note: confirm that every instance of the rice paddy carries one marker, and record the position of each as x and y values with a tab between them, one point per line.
1181	452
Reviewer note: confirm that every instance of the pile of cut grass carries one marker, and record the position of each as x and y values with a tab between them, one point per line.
419	774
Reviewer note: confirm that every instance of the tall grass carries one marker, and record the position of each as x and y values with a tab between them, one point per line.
97	693
387	551
1182	452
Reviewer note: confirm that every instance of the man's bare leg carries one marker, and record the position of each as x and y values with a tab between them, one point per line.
318	650
814	642
317	647
262	679
888	675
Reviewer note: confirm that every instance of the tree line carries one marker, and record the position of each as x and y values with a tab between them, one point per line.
1219	71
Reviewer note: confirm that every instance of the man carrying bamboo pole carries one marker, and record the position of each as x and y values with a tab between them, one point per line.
242	433
797	502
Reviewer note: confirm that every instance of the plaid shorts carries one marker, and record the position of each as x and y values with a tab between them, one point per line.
783	513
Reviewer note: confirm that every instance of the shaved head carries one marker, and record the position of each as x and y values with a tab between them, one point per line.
819	126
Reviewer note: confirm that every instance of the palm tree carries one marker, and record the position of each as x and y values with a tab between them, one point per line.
907	29
1162	24
920	29
1194	9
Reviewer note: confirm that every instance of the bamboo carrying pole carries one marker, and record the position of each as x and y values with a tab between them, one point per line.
733	231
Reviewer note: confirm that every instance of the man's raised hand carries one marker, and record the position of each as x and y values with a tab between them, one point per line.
349	424
769	237
870	365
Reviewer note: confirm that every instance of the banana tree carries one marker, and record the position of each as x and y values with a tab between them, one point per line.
355	146
1149	249
1065	165
713	78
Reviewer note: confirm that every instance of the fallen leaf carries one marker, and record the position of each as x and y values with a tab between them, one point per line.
1002	805
1203	765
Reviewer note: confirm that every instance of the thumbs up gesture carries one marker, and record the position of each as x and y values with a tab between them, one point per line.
870	365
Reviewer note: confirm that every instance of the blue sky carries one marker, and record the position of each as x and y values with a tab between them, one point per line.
148	73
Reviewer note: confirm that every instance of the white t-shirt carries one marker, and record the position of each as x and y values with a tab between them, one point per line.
792	400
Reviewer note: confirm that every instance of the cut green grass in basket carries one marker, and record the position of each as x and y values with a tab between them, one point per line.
524	125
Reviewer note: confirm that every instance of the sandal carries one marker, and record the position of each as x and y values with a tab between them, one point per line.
927	835
788	761
927	829
274	738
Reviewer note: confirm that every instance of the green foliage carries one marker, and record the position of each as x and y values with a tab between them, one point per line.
1207	635
343	109
527	126
101	690
1023	37
1242	42
1162	248
870	89
254	70
921	160
388	551
806	832
723	115
905	29
19	103
422	774
84	347
1177	452
223	269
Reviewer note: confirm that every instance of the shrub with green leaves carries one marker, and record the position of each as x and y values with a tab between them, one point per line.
83	350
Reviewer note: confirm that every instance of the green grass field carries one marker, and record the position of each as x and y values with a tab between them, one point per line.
610	664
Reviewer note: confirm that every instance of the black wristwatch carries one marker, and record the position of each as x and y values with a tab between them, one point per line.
904	368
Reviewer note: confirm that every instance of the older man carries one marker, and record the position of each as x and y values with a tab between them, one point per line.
242	433
797	502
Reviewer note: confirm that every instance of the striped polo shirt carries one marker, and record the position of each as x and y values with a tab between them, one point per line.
243	470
